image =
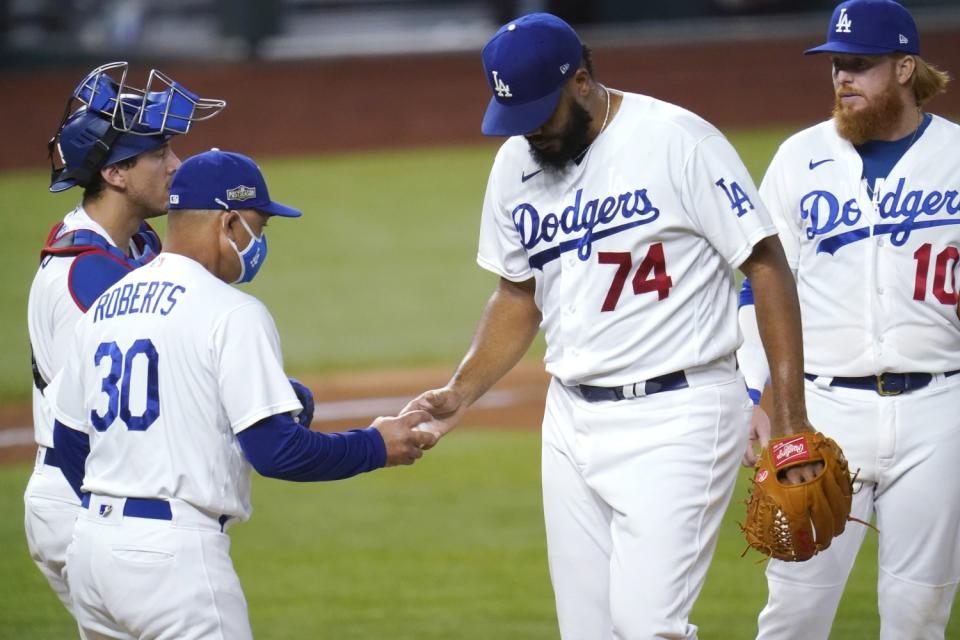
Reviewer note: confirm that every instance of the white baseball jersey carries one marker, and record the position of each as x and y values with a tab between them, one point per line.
51	315
170	363
877	276
633	250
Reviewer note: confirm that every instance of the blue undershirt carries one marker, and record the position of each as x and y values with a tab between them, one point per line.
880	156
72	448
277	447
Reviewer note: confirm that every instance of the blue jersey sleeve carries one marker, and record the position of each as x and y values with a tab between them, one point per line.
278	447
93	273
72	448
746	293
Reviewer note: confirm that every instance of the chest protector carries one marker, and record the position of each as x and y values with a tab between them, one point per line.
97	265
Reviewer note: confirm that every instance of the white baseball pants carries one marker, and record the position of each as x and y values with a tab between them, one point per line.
141	578
50	510
906	448
634	492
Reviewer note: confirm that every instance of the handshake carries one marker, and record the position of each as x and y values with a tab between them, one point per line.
405	436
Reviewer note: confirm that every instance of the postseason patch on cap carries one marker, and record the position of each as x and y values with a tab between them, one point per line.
218	180
241	193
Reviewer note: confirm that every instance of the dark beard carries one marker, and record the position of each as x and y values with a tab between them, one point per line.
573	141
871	122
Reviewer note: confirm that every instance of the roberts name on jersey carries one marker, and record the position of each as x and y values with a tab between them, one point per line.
143	297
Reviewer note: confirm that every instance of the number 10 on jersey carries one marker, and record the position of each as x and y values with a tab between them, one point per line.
946	262
651	275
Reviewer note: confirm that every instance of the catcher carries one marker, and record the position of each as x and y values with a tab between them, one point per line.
794	520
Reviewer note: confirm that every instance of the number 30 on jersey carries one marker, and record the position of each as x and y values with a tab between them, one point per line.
116	385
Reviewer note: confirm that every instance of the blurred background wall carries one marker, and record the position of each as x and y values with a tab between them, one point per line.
307	76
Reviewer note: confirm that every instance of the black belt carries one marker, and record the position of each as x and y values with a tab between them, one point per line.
51	458
885	384
666	382
139	508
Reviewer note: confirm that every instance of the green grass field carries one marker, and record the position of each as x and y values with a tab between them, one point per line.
451	548
379	273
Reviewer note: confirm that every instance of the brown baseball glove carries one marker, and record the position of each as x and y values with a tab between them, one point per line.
794	522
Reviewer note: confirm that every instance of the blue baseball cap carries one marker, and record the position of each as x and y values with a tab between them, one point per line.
527	62
218	179
870	27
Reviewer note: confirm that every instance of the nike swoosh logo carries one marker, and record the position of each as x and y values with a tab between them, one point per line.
526	176
814	165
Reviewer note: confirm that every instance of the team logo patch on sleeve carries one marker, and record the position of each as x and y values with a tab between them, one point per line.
790	450
739	200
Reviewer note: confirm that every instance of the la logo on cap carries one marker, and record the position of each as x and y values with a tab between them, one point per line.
844	22
503	89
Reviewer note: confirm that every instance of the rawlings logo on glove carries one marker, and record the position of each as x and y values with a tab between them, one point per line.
790	450
794	522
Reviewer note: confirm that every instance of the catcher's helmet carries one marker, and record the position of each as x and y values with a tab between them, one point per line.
88	142
117	122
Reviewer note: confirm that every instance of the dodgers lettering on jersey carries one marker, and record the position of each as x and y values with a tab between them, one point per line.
180	371
633	249
825	214
633	207
877	272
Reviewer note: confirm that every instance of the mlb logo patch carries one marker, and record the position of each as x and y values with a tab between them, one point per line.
105	510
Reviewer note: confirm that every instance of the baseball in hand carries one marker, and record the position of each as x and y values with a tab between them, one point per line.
425	426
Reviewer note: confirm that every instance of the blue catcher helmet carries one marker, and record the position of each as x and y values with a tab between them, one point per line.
117	122
87	142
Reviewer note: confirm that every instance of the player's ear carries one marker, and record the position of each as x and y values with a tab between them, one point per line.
905	67
229	222
114	176
583	82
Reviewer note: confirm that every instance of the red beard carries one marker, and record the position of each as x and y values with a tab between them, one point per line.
881	114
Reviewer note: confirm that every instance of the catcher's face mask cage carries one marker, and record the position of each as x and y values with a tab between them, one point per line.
162	109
